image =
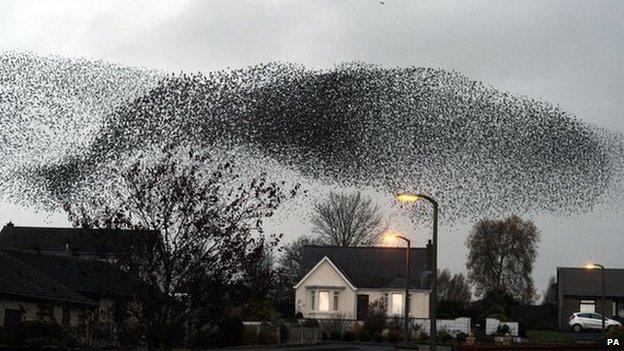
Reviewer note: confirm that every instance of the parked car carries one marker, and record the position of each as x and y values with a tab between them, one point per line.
580	321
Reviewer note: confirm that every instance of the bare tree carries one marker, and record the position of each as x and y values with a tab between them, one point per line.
501	257
347	220
210	253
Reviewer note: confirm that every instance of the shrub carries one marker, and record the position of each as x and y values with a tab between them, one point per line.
375	319
348	336
444	336
18	334
498	312
310	323
378	337
230	331
502	330
335	335
364	335
461	337
393	336
41	343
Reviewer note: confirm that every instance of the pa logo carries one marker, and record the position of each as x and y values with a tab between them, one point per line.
613	342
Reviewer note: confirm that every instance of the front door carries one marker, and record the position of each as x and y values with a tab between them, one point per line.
362	306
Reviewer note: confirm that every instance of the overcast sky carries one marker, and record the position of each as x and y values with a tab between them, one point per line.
567	52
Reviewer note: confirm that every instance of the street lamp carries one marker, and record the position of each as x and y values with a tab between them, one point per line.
595	266
433	295
393	236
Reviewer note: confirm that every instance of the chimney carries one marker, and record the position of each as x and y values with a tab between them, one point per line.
8	227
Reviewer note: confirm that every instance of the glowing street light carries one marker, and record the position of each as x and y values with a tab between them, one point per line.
433	295
592	265
392	236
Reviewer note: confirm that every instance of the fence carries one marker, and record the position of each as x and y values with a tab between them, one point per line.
303	335
453	326
257	333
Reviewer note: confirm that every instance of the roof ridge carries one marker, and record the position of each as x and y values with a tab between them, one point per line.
588	269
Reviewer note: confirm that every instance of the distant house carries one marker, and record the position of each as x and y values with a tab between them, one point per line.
56	274
77	242
342	282
580	290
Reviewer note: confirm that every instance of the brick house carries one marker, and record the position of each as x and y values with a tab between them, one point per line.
580	290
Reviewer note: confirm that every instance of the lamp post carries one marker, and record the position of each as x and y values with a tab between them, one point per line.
407	269
594	266
433	295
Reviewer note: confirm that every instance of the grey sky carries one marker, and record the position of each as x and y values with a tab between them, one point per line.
565	52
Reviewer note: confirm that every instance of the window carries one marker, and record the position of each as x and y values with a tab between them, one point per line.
12	317
397	304
588	306
312	300
336	299
323	305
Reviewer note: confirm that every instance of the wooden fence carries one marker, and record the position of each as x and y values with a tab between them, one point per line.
303	335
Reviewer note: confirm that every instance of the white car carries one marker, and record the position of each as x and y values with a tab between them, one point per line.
580	321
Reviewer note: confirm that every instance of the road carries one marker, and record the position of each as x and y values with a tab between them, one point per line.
340	347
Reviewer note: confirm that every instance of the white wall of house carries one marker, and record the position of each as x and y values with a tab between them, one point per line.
419	304
325	281
325	293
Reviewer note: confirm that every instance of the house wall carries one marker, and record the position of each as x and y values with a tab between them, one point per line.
419	303
325	276
30	310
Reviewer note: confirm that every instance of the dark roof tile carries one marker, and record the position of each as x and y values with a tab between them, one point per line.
371	267
20	280
588	282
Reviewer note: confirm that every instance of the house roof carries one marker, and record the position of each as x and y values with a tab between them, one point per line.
588	282
68	240
371	267
89	277
20	280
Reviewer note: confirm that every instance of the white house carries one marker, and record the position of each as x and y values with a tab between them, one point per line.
342	282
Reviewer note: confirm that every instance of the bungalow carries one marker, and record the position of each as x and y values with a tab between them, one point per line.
342	282
580	290
56	274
